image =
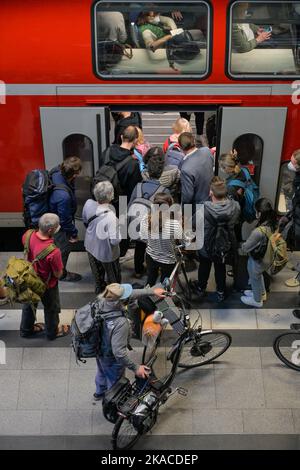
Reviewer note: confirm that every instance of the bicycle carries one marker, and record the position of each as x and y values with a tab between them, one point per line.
179	269
136	408
287	345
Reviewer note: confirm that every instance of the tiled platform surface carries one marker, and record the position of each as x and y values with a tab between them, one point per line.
247	399
247	391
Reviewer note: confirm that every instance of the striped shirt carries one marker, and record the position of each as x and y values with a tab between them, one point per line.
161	246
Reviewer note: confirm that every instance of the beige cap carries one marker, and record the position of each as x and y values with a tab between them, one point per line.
117	291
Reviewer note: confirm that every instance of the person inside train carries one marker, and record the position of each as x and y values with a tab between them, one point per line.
256	246
196	171
180	125
160	229
111	25
156	30
63	203
102	236
50	270
124	119
246	36
219	246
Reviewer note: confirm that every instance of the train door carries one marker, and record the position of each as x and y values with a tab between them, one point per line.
257	134
81	132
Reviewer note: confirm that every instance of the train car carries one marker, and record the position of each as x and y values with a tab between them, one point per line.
65	65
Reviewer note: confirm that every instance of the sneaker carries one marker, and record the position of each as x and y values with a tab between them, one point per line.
251	302
98	396
249	293
71	277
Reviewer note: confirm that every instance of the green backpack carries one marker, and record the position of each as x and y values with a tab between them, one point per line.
23	283
276	253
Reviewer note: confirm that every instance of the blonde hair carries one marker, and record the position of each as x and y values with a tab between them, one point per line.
140	139
230	161
181	125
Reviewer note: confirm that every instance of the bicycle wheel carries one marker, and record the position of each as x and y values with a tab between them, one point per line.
287	349
203	348
124	434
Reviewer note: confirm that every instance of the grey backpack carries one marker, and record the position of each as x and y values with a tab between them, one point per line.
141	205
86	331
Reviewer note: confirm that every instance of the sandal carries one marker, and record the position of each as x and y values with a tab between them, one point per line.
37	329
62	331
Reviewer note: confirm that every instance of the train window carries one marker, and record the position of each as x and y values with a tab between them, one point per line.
157	40
264	39
286	189
79	145
249	148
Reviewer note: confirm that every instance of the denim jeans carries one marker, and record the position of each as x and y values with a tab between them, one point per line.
256	278
109	371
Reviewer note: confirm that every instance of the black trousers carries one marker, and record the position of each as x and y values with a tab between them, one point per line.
139	253
204	272
199	121
62	242
153	269
51	303
111	271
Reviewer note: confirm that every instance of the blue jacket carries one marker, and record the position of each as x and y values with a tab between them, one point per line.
63	203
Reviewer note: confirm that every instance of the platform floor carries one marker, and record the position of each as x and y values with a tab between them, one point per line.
245	400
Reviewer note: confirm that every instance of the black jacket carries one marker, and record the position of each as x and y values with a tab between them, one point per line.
296	211
121	124
129	175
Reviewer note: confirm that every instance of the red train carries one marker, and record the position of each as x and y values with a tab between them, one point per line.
61	80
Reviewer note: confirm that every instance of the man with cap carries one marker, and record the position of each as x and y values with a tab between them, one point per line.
113	358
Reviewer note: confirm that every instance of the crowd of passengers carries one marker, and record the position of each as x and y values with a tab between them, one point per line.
179	171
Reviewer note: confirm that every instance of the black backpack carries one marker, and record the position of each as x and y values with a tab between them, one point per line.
36	191
220	244
181	48
109	172
111	52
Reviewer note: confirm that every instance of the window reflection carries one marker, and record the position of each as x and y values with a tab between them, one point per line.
152	39
265	38
81	146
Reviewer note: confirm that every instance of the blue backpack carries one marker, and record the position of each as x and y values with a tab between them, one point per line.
251	194
36	192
